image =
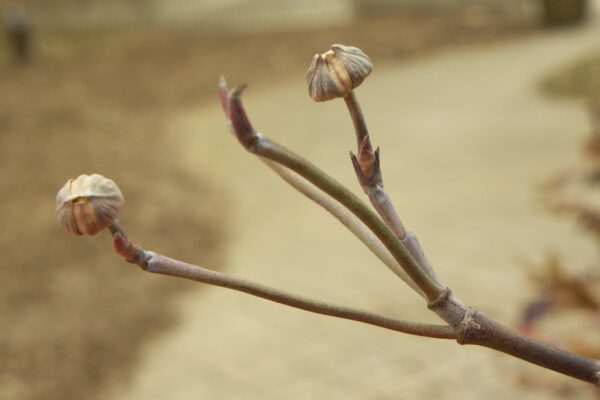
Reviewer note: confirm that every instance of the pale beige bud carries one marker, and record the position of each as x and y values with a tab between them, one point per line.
88	204
336	72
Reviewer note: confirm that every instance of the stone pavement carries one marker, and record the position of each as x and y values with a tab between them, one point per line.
465	137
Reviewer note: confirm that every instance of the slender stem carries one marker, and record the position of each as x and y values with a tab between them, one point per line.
156	263
360	125
348	219
159	264
384	207
368	171
411	242
265	147
123	246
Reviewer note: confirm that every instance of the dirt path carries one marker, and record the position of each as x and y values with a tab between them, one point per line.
465	137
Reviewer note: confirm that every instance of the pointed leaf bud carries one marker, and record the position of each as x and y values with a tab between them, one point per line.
337	72
236	114
366	156
367	172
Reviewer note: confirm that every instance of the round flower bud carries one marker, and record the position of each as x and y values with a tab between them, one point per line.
337	72
88	204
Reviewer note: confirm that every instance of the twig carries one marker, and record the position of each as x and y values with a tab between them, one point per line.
358	119
368	171
159	264
474	329
168	266
265	147
385	208
348	219
345	217
367	166
466	324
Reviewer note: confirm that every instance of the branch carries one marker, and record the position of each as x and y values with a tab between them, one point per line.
168	266
159	264
368	171
348	219
360	125
367	166
265	147
82	213
480	330
474	329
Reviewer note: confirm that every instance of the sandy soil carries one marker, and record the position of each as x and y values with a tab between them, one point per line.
465	138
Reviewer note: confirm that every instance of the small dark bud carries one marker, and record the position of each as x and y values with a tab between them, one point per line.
337	72
366	156
368	174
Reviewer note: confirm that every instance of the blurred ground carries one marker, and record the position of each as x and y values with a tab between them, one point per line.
73	318
580	78
466	137
247	15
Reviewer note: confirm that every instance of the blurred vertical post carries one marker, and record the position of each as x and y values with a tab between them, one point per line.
564	12
18	31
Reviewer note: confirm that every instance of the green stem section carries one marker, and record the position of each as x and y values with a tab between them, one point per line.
267	148
348	219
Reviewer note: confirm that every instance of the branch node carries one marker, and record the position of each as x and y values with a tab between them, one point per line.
149	261
440	300
466	325
368	172
131	252
255	143
363	180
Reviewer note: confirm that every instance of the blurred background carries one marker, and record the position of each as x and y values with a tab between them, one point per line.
490	138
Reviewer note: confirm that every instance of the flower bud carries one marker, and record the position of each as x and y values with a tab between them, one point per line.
88	204
337	72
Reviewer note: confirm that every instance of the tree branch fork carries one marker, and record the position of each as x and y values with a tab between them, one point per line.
471	325
381	230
